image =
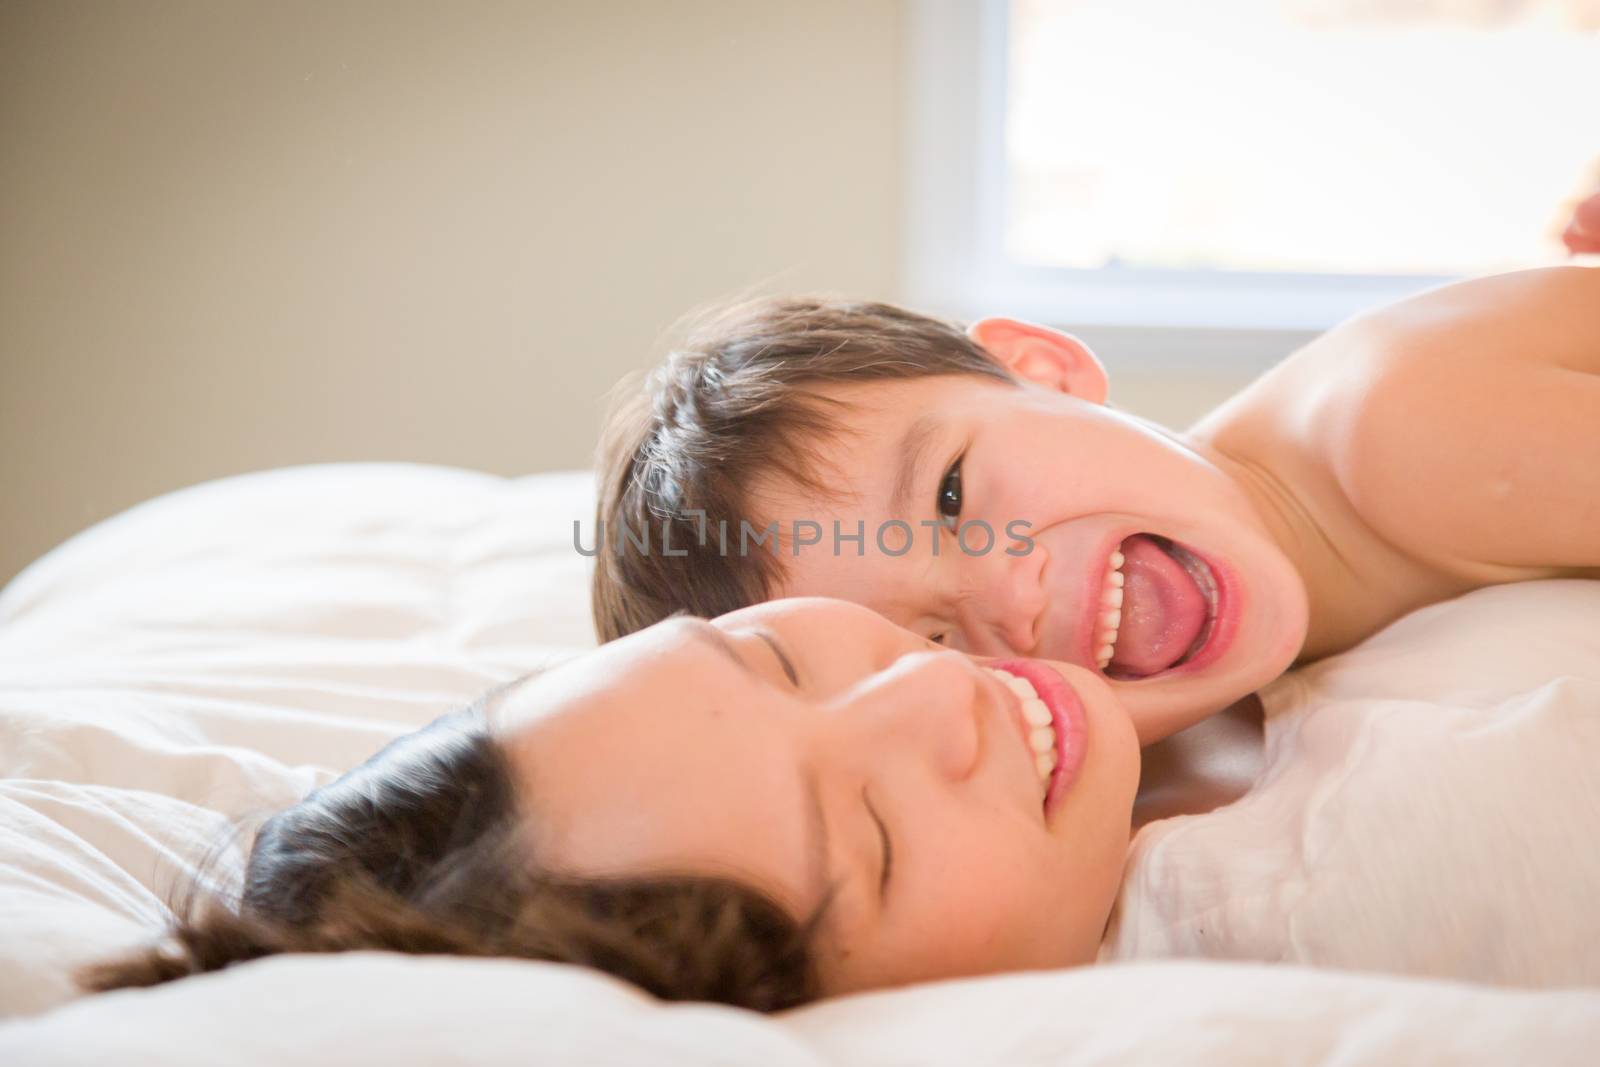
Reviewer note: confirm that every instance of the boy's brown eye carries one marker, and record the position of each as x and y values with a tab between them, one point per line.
949	499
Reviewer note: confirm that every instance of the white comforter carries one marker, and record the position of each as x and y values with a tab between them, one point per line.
213	655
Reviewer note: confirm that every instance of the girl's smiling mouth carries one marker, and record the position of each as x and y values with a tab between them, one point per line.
1041	691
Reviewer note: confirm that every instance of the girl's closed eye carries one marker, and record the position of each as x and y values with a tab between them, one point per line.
886	856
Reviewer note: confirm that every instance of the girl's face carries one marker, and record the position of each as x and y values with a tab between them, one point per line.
805	744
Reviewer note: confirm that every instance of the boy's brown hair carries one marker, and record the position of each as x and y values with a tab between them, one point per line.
738	402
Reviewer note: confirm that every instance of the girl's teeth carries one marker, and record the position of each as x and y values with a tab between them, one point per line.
1111	611
1042	736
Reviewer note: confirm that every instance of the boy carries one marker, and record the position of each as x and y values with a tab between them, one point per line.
976	488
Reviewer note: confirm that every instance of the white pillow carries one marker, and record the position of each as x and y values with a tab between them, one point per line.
211	656
1430	806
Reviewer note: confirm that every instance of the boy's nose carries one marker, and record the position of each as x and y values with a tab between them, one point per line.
1006	602
923	706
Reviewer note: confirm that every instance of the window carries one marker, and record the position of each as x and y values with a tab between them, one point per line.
1240	164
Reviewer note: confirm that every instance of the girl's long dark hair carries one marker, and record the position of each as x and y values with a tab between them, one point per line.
425	849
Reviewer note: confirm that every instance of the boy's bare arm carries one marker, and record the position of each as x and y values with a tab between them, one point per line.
1474	444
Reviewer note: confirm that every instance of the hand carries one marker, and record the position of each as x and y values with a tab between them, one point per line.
1583	231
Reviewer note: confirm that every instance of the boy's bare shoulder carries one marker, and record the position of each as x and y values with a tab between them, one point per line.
1463	425
1448	442
1547	316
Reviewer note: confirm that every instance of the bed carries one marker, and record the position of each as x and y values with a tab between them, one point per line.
210	656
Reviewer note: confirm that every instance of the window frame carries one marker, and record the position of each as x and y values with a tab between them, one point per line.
954	262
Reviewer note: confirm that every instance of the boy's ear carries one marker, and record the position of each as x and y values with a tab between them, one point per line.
1042	356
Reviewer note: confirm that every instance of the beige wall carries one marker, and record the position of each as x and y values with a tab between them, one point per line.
243	235
237	236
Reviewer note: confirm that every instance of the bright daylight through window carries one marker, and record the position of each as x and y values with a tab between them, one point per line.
1360	137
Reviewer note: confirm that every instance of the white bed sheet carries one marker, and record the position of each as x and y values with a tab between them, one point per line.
212	655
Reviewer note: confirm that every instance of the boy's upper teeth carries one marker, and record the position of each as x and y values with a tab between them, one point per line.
1110	616
1041	732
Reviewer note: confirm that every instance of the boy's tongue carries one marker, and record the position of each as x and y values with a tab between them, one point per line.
1162	609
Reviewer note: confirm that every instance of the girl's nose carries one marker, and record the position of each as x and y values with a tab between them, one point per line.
924	707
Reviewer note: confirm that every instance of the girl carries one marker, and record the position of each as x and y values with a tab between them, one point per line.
759	810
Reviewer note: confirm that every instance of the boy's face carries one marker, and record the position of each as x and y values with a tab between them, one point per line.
1148	563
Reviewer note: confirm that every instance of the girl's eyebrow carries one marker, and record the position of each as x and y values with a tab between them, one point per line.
819	850
716	637
783	657
719	640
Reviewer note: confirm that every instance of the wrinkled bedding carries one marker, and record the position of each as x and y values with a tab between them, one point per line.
208	657
1429	807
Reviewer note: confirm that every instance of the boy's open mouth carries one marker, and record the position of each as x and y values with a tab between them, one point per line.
1158	608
